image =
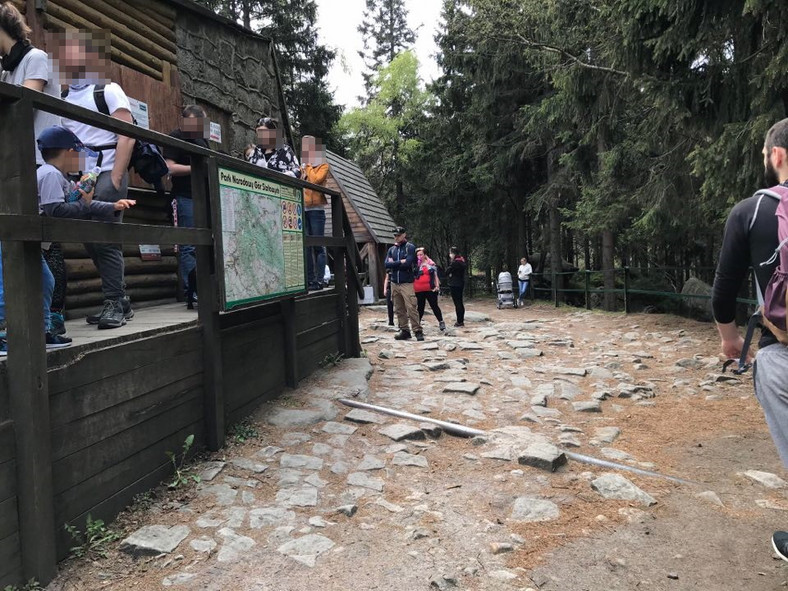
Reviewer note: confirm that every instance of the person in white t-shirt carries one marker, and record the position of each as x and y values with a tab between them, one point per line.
524	276
25	65
84	63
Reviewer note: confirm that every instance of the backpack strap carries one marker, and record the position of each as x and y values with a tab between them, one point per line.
101	101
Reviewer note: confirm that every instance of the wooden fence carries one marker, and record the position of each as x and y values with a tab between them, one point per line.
84	429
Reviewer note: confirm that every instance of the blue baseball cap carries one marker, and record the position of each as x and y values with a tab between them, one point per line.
57	137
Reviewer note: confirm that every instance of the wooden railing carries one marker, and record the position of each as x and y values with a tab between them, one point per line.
21	232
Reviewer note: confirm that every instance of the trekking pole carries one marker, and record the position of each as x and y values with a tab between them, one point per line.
743	365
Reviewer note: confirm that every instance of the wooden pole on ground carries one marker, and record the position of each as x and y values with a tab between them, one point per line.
26	364
205	197
340	278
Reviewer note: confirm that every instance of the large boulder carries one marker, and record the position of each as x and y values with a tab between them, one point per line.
700	305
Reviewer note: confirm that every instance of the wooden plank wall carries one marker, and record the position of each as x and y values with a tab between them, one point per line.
10	558
317	330
115	412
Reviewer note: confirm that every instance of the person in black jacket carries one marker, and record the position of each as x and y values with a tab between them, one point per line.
456	274
750	240
401	262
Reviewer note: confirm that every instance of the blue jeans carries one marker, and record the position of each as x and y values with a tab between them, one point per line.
48	282
523	288
186	258
315	256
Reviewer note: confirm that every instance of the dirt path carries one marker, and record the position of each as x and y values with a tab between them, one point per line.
319	501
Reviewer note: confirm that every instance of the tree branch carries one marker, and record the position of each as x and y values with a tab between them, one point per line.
567	54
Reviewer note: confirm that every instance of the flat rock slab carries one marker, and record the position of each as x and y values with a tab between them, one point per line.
533	509
270	516
365	481
545	413
306	549
153	540
520	344
766	479
250	465
291	417
210	470
339	428
542	455
587	406
235	546
225	494
461	388
301	497
400	431
468	346
615	486
566	371
402	458
617	455
528	353
607	434
364	417
476	317
370	463
300	462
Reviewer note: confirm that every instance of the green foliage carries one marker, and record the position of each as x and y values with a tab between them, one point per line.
94	541
31	585
244	430
183	475
331	360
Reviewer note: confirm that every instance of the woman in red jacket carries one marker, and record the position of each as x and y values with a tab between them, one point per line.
427	286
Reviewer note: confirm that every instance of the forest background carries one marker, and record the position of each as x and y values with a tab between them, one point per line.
596	134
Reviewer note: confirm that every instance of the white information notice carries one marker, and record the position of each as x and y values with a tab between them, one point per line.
139	111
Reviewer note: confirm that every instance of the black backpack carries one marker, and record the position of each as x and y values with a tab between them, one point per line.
146	158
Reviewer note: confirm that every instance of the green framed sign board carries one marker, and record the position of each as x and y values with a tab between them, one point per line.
262	239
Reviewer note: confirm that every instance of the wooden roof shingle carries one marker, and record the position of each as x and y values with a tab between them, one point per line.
355	186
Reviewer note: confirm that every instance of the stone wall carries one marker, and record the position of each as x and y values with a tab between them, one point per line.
228	72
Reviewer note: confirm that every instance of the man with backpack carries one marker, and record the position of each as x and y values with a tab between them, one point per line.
84	62
401	263
753	235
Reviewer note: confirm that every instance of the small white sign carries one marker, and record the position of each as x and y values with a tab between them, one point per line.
139	111
216	132
150	252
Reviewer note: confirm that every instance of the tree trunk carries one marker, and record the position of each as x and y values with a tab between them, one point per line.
587	254
247	14
555	241
608	262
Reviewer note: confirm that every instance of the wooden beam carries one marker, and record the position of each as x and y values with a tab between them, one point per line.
26	365
163	30
205	197
160	8
45	229
340	276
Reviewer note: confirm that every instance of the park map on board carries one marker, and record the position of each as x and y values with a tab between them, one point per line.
262	239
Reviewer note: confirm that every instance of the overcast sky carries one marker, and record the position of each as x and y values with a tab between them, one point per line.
338	21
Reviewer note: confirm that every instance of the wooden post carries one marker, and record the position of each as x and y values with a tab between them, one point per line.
555	288
626	290
352	333
27	364
340	278
205	197
588	289
288	307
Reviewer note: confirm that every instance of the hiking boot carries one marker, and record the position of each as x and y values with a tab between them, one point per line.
58	324
3	347
459	325
780	544
128	313
442	325
402	335
419	336
55	341
112	316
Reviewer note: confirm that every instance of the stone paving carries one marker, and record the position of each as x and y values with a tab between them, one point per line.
340	498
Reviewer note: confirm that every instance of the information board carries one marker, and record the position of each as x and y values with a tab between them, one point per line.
262	239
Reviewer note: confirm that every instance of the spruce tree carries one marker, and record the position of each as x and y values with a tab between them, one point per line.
386	34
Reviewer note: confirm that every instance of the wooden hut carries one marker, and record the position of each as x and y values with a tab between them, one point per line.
371	221
165	54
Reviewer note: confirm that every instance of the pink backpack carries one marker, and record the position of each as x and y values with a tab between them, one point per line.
775	300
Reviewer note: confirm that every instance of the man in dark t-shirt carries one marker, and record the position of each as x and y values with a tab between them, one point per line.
750	240
194	129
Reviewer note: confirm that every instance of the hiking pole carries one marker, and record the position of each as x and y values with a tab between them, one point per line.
743	364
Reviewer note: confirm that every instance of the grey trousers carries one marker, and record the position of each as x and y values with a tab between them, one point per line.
108	258
771	389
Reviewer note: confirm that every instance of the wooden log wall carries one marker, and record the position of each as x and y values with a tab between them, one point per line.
142	33
147	282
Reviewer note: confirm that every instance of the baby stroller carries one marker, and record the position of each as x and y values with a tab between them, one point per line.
506	297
